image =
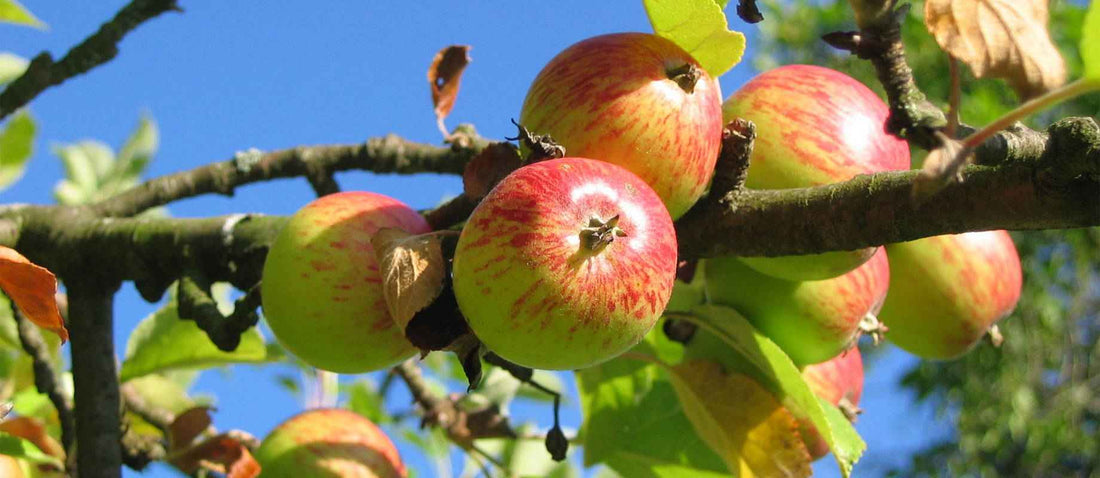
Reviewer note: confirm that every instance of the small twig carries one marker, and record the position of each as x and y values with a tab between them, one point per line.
195	303
323	183
954	98
45	380
95	50
134	402
732	166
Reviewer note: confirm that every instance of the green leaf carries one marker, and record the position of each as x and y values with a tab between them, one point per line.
11	67
364	399
700	28
85	164
138	151
19	448
765	361
9	335
634	422
163	341
1090	42
12	12
16	145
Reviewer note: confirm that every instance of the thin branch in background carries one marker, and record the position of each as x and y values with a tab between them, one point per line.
323	182
95	50
45	380
556	442
195	303
134	402
955	97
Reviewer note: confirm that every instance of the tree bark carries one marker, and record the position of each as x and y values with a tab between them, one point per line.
95	379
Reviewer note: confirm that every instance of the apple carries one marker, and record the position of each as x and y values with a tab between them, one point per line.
322	290
948	290
565	264
838	381
814	126
328	443
636	100
812	321
10	468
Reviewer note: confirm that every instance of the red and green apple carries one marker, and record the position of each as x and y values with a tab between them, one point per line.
329	443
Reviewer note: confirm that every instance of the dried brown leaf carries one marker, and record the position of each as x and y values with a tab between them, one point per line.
444	75
31	288
1000	38
487	168
223	454
187	426
412	269
942	167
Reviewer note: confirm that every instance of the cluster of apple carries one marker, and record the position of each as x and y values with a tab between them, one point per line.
569	262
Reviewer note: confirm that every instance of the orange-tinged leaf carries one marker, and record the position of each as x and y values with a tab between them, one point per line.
187	426
444	75
32	289
741	421
412	270
34	431
1000	38
222	454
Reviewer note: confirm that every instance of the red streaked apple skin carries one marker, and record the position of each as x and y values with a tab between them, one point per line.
322	290
839	378
814	126
529	289
610	98
948	290
812	321
329	443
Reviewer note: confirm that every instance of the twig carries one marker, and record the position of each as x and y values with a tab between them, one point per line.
732	166
45	380
388	154
95	50
954	99
158	417
195	303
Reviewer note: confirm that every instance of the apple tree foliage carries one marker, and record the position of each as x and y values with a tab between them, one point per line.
1026	407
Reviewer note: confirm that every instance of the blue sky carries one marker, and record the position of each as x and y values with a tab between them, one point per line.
228	76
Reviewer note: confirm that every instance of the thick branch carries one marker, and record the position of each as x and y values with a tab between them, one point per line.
97	49
45	380
95	378
389	154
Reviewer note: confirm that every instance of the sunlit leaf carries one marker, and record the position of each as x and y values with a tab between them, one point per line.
34	431
700	28
11	11
32	288
20	448
11	67
138	151
741	421
1090	41
412	271
16	146
162	341
1000	38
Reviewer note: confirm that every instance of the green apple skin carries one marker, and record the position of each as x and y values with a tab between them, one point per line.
328	443
322	290
840	378
531	289
812	321
947	291
611	98
814	126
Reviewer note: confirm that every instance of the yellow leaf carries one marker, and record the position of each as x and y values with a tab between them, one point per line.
1000	38
700	28
741	421
412	270
32	289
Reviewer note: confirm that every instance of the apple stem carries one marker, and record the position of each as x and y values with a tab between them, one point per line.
995	336
849	409
686	75
870	325
599	233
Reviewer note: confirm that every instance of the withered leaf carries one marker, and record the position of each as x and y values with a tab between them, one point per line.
412	268
32	289
187	426
443	76
741	421
489	166
223	454
942	167
34	431
1000	38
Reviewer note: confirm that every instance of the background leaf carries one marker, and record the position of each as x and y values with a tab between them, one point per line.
700	28
1090	42
16	146
11	66
162	341
12	11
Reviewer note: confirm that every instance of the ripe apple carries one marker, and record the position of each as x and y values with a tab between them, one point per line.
948	290
329	443
636	100
838	381
565	263
322	291
812	321
814	126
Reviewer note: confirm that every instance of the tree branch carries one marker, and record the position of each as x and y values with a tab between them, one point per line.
389	154
95	50
45	380
95	378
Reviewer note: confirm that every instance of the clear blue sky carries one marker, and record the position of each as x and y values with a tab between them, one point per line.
227	76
